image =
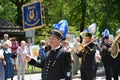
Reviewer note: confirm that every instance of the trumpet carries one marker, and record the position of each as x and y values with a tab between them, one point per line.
81	47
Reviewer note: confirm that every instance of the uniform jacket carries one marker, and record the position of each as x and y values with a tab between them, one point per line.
88	56
57	65
88	61
106	55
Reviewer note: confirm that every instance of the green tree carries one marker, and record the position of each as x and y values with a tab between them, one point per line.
19	4
8	10
79	13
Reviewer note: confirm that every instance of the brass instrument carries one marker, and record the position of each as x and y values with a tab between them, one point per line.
81	47
115	47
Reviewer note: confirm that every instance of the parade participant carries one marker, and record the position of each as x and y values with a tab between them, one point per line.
21	52
70	48
14	47
87	51
2	76
115	53
41	56
106	57
9	68
57	63
65	45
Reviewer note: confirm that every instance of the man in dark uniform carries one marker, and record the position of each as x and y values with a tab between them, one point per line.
106	57
116	60
88	57
57	62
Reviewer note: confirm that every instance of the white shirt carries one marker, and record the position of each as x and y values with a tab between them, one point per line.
21	53
97	56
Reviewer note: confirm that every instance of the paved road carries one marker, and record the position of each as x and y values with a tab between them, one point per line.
37	76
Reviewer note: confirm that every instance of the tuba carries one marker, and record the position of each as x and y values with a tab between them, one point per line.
115	47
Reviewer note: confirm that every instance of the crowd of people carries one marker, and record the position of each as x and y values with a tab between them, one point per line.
60	59
12	53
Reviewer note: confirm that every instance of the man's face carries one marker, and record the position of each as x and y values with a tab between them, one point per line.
106	40
64	44
87	39
54	41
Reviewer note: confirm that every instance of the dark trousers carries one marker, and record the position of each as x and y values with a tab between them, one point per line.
86	73
95	70
43	74
116	69
108	70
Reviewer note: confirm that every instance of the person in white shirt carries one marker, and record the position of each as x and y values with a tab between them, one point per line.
21	52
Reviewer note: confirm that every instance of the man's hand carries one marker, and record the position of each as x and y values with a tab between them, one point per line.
104	47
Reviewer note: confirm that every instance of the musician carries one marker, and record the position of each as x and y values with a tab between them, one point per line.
116	61
88	57
106	57
57	62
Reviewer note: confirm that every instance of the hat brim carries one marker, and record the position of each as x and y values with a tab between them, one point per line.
56	33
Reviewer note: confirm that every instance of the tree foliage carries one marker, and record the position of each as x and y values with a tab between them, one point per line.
79	13
8	10
82	13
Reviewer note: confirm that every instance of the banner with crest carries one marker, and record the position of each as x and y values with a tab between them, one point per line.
32	16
